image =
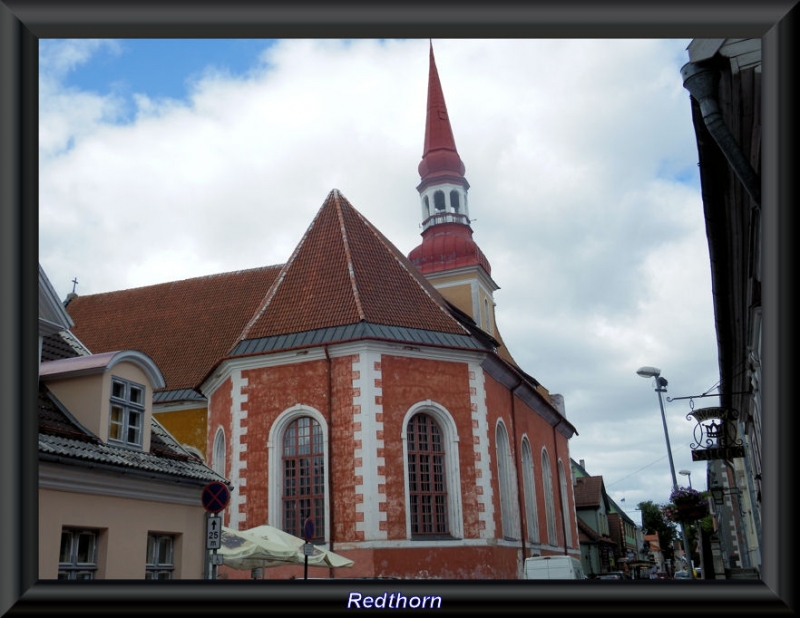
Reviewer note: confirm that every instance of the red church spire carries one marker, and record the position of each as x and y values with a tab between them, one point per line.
447	236
440	160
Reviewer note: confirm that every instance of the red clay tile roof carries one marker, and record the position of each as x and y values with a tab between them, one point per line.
344	271
588	491
184	326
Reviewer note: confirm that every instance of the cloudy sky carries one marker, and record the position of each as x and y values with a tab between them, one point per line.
163	160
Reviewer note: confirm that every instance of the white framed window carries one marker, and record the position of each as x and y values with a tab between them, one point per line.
298	474
160	556
304	480
549	503
433	494
78	554
126	419
562	479
426	477
529	488
218	457
509	513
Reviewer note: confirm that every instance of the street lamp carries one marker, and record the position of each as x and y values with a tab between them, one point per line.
661	387
687	473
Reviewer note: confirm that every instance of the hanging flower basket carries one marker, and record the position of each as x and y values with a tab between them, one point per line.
686	506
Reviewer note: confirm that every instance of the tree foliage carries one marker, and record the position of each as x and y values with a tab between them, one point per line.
654	522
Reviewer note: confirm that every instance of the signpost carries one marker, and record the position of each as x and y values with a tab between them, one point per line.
308	548
213	532
215	497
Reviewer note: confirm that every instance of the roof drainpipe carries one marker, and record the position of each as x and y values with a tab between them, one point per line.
520	490
332	507
701	82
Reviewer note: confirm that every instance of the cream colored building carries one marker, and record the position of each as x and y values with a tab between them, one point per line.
119	497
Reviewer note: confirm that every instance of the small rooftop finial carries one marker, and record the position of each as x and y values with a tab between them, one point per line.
72	295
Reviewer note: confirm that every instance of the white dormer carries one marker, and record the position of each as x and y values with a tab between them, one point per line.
110	394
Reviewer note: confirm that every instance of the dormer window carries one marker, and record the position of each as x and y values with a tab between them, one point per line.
127	412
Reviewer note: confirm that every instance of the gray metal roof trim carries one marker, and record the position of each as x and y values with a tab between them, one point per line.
361	330
178	394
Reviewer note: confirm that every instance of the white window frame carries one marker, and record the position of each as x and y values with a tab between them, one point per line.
275	458
218	463
130	409
509	513
452	469
549	502
529	489
73	567
562	479
160	560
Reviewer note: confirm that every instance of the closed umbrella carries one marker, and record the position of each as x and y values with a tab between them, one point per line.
267	546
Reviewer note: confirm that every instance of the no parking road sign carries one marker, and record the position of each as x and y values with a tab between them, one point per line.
215	496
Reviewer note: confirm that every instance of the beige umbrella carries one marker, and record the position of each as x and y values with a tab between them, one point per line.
267	546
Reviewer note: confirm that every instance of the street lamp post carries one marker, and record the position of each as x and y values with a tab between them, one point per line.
661	387
687	473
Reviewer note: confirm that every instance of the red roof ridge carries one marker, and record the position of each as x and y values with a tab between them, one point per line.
282	274
427	287
332	279
186	279
338	198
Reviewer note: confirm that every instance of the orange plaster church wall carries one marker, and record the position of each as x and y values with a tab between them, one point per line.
342	462
408	381
271	391
498	405
541	435
219	406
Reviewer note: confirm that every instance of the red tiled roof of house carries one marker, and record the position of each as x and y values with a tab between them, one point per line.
184	326
588	491
344	271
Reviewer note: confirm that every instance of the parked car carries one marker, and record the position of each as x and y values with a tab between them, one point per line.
683	575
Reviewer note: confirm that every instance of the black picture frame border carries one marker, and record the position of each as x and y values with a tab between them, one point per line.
24	22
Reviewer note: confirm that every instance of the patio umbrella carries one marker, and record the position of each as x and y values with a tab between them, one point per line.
267	546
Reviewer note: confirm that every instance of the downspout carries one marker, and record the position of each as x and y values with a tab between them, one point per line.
701	82
560	493
332	493
522	526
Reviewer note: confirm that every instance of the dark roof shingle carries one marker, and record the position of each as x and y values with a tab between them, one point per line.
62	437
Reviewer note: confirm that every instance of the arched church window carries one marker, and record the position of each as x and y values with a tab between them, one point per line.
427	204
455	202
218	462
562	480
303	477
549	505
506	480
529	488
438	201
426	477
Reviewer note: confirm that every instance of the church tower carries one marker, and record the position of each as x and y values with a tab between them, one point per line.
448	256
